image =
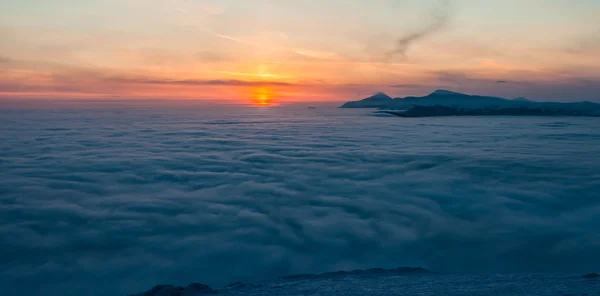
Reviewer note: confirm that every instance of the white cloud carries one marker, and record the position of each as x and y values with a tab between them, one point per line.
109	200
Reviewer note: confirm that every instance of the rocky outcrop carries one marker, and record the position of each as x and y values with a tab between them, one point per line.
360	272
193	289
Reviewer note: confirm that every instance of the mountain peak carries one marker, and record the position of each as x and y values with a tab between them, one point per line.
443	92
521	99
378	100
379	97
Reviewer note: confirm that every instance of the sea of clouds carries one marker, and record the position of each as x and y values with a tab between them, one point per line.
112	199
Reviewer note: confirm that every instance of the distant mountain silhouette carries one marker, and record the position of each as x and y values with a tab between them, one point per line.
454	103
443	92
438	97
521	99
375	101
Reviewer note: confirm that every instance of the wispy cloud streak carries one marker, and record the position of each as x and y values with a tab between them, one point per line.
441	18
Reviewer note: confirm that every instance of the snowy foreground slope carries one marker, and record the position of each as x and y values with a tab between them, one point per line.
400	281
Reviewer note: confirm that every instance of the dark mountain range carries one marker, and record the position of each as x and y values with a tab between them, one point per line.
449	103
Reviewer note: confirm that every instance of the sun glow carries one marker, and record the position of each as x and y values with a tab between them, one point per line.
259	75
263	97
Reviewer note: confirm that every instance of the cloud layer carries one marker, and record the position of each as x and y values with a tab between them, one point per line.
109	199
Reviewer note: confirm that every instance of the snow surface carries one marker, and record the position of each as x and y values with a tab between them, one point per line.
405	283
421	285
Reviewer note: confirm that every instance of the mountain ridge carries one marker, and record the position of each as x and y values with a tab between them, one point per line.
461	102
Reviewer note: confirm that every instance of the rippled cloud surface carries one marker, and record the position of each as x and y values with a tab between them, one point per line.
110	199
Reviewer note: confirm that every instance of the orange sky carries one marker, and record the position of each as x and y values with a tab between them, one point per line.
258	50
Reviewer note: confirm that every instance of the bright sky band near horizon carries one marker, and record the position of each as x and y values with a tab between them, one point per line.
293	50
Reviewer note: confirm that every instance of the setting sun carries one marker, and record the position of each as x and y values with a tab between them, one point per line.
263	96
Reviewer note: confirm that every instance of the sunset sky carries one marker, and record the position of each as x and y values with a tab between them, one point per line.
295	50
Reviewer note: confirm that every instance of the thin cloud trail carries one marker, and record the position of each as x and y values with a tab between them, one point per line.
441	18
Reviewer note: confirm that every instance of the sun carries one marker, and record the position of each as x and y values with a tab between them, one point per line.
263	96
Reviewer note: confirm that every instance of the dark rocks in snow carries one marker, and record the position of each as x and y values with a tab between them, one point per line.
299	276
161	290
193	289
240	285
591	276
235	285
360	272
